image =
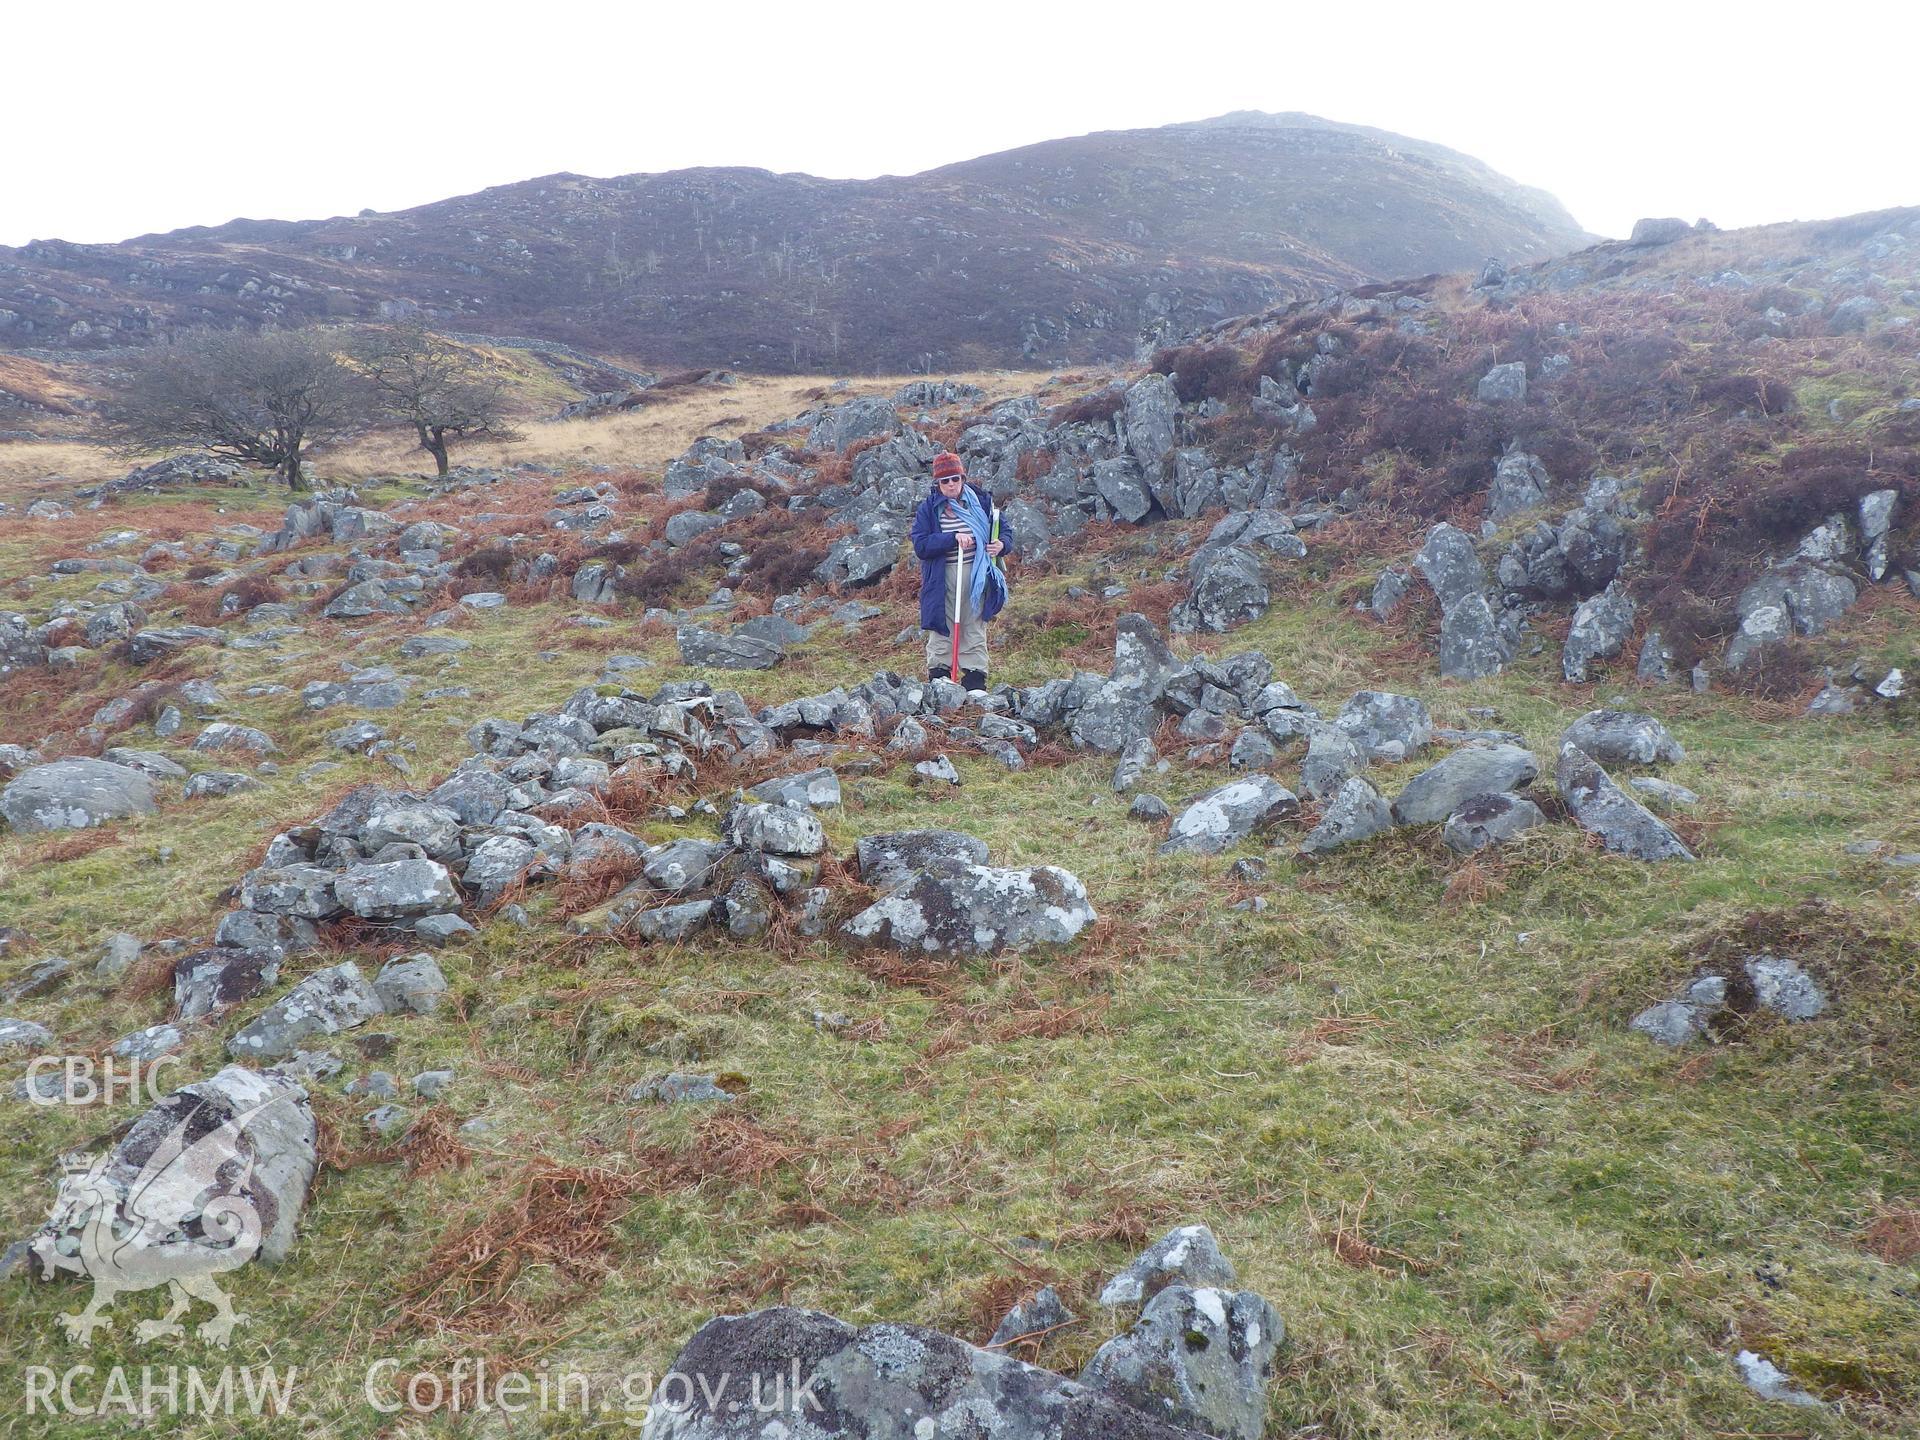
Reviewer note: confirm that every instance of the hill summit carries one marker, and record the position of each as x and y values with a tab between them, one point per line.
1067	252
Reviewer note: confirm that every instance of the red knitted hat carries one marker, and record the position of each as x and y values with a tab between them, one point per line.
946	465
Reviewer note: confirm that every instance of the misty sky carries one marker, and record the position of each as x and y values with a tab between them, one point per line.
127	119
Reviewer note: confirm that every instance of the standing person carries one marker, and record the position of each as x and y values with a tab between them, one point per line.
957	532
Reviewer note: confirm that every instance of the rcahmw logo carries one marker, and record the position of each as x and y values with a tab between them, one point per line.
83	1390
187	1216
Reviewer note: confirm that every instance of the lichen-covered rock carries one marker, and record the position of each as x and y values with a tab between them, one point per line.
1228	590
1601	627
303	891
412	983
22	1035
1356	812
1602	807
775	829
1503	384
1473	642
150	645
824	1380
397	890
976	910
889	860
1228	814
810	789
1332	756
210	980
1033	1317
1141	660
1780	985
1185	1255
1671	1022
1491	819
726	652
74	794
1384	725
325	1003
1449	565
681	864
496	864
1198	1358
1472	770
1623	737
1520	482
1112	718
434	828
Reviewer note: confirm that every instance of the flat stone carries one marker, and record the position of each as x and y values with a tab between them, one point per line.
1489	819
1228	814
325	1003
1472	770
889	860
74	794
977	909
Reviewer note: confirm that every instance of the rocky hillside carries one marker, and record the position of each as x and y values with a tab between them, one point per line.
1061	253
1345	977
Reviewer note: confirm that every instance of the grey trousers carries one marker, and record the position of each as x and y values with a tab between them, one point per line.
973	634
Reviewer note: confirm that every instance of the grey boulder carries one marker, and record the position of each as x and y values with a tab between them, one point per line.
325	1003
74	795
882	1382
210	980
890	860
1185	1255
1503	384
1490	819
1228	590
726	652
1472	770
260	1125
1356	812
1473	643
1386	726
397	890
1199	1359
1228	814
413	983
1449	565
1601	627
976	910
1623	737
775	829
1601	807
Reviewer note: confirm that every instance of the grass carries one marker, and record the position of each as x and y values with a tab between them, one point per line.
1403	1094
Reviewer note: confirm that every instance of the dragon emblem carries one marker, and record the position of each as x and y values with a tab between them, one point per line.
186	1217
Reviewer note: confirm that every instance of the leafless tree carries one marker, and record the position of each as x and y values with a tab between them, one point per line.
427	383
263	399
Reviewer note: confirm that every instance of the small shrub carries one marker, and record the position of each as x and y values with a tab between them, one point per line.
489	562
777	567
1747	392
1203	372
728	486
1100	406
661	581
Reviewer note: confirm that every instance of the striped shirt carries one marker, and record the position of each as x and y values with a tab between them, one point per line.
952	524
